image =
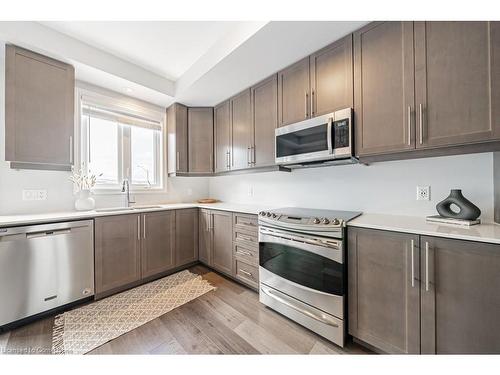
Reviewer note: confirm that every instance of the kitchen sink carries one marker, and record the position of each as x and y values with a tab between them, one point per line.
114	209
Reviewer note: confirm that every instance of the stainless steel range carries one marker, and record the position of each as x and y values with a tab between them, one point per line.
301	267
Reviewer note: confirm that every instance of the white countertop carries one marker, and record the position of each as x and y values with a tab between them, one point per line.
27	219
487	232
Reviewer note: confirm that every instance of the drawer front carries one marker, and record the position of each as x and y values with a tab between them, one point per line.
246	239
248	254
245	222
247	273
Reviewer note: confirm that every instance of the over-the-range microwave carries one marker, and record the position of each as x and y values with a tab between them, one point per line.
326	139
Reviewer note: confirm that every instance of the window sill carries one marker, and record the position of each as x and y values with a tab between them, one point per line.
111	191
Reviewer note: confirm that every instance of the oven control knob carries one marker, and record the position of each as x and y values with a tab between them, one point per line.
262	213
335	221
326	221
275	216
316	220
268	214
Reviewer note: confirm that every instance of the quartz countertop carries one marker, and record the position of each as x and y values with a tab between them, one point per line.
487	232
28	219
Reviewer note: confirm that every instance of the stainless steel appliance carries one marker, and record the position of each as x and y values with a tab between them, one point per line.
44	266
326	139
301	267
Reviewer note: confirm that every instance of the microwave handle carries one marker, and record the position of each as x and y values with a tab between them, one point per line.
329	135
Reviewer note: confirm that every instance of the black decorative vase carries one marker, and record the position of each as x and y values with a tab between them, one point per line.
468	210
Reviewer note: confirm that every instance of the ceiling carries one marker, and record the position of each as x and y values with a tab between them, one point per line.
167	48
198	63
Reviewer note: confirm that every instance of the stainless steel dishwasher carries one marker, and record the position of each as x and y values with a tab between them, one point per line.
44	266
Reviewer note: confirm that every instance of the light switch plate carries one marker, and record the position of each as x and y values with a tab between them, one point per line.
34	195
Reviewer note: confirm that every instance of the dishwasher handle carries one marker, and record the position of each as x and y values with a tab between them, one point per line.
48	233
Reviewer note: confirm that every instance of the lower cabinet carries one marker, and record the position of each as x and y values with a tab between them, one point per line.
419	294
222	242
135	248
205	236
186	236
158	242
117	252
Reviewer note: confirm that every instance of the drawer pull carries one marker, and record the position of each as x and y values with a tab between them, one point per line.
246	273
245	252
246	238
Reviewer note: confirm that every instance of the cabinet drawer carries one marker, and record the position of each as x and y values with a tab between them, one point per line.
247	273
245	222
246	253
246	239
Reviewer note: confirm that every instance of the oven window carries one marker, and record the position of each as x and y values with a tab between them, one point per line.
302	267
302	141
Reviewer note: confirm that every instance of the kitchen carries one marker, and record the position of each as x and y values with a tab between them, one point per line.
337	195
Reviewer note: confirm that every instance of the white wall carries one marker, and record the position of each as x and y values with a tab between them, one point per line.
388	187
60	190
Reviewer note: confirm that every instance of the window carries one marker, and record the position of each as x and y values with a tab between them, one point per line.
118	144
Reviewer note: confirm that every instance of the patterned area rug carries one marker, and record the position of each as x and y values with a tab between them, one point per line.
83	329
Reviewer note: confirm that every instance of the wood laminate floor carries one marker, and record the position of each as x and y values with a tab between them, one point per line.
229	320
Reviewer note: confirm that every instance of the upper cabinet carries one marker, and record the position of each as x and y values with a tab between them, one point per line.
39	110
201	139
457	82
241	128
294	103
222	137
425	85
264	106
384	88
177	127
332	78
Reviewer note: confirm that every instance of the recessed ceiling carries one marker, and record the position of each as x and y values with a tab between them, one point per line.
167	48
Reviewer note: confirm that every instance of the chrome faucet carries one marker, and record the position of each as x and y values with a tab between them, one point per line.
126	189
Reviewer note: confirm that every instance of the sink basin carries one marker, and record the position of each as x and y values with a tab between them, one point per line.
114	209
144	207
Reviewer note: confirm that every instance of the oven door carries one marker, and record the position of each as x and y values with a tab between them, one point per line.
308	268
306	141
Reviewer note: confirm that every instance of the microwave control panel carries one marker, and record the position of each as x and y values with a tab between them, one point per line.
340	130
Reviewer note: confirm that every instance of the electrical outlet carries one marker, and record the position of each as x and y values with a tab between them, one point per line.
34	195
189	191
250	191
423	193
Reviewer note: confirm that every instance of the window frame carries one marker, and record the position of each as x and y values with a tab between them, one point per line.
86	93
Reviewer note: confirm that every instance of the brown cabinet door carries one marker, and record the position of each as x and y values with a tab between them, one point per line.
158	242
222	137
384	103
205	236
222	245
117	252
294	100
241	128
460	298
201	136
177	126
457	74
186	236
384	290
39	109
264	98
332	77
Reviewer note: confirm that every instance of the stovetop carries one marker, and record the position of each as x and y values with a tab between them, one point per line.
307	219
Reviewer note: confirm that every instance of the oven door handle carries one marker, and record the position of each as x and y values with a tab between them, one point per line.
298	306
329	129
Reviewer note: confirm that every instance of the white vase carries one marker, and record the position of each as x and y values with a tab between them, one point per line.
84	202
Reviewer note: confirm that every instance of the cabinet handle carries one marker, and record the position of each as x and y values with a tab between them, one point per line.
178	161
211	228
249	157
426	266
138	227
409	125
253	155
421	122
312	103
246	273
71	149
412	265
207	229
306	103
245	253
144	226
246	238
